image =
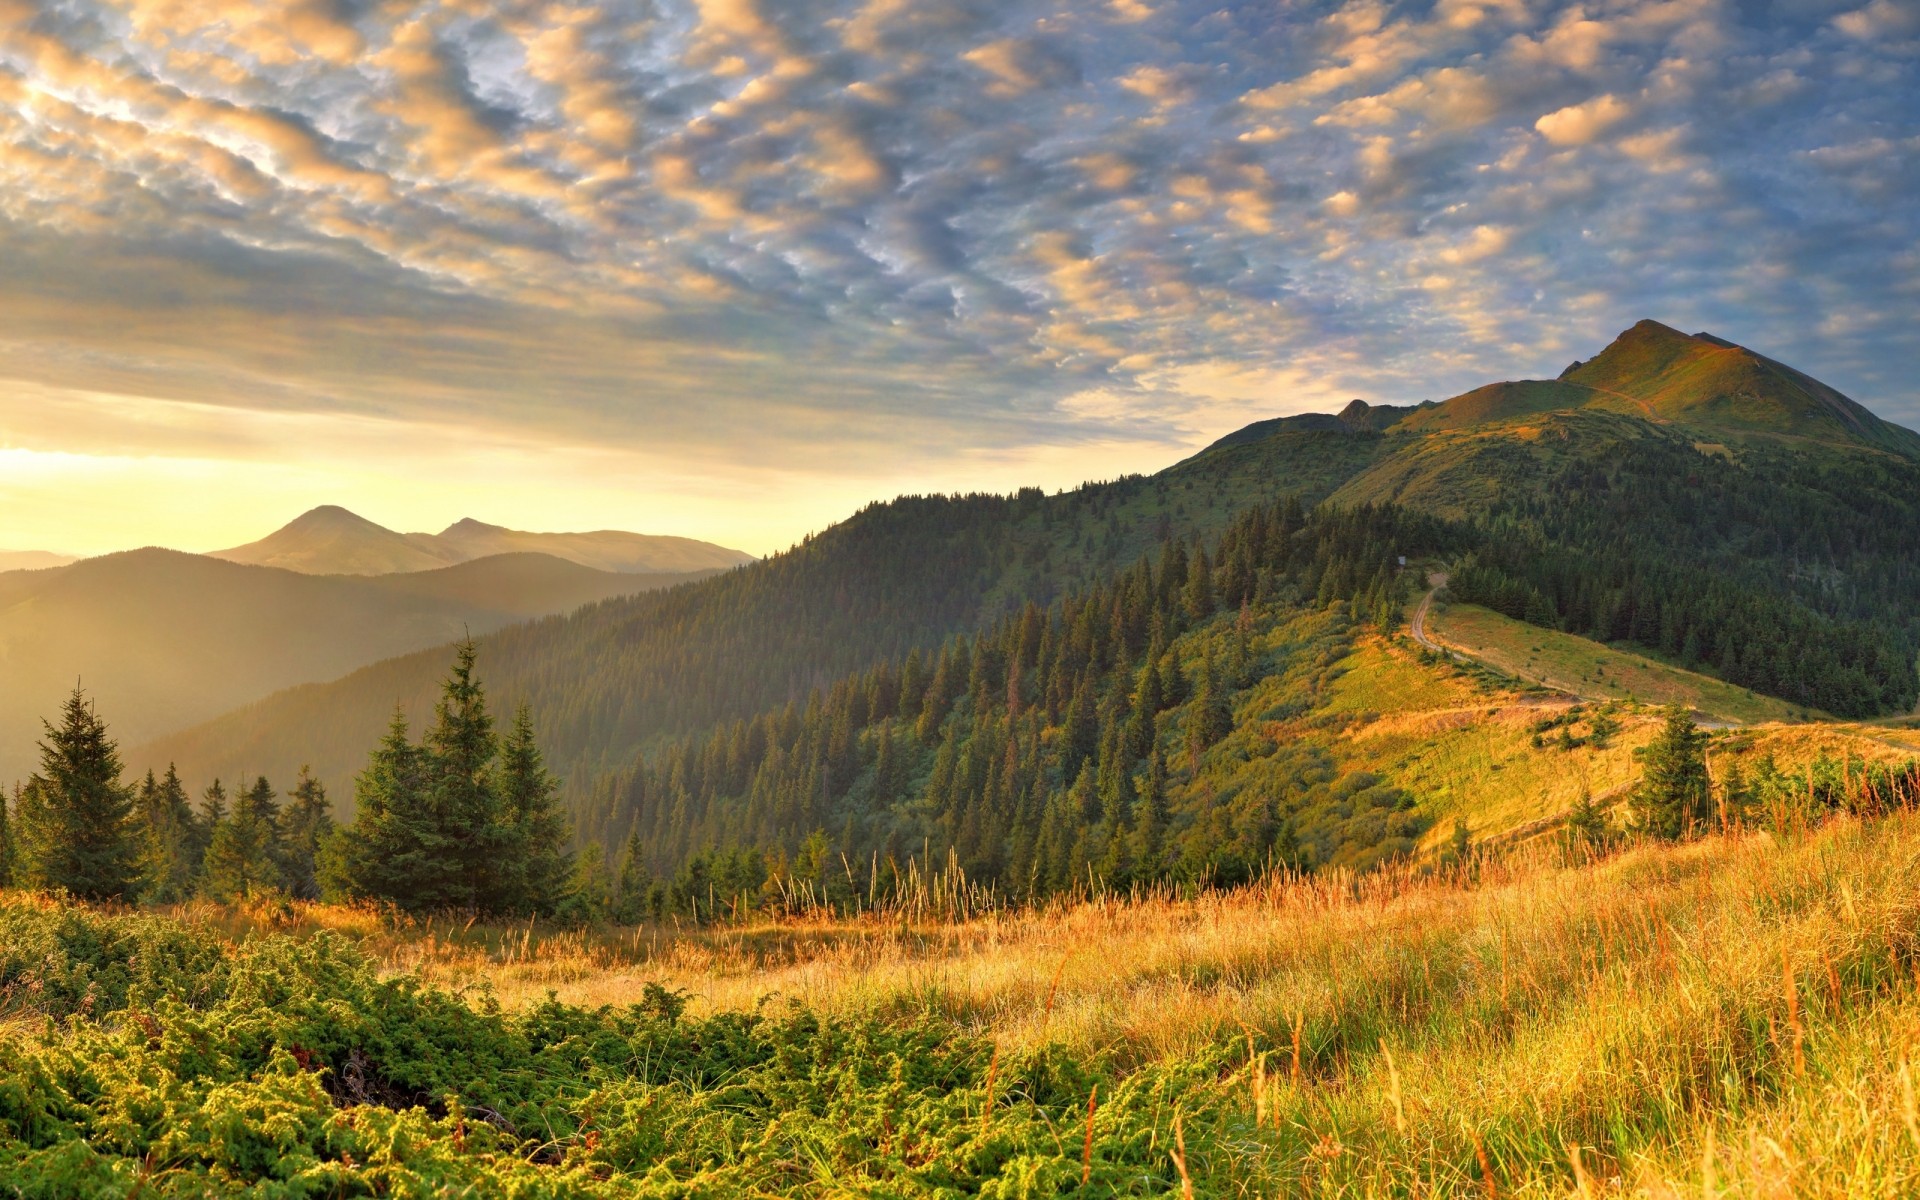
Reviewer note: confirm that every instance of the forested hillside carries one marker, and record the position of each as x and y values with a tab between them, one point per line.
1111	736
1655	506
623	675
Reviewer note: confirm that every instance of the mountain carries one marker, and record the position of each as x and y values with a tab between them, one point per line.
162	639
31	560
1774	559
604	550
893	577
330	540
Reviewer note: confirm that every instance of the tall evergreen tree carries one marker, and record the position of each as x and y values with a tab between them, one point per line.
390	852
460	751
306	826
243	857
1211	716
1673	797
75	821
1150	822
458	821
537	827
213	810
6	836
168	836
633	884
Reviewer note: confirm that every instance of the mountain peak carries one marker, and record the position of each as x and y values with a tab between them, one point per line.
330	515
467	526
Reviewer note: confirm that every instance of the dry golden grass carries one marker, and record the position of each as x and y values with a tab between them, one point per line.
1731	1017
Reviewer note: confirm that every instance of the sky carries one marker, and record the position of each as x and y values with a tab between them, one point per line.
732	268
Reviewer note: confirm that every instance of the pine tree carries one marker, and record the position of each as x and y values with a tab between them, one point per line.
1211	717
459	821
390	851
306	827
6	837
460	751
243	859
1673	797
168	836
633	884
1587	826
75	826
213	810
1150	822
536	825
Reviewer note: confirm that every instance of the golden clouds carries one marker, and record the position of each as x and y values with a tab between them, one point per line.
1578	124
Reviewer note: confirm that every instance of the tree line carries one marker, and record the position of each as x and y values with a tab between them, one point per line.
1785	573
1075	745
463	819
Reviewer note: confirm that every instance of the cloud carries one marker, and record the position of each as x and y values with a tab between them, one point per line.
1578	124
888	236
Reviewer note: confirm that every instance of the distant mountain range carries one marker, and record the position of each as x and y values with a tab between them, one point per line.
162	639
31	560
333	541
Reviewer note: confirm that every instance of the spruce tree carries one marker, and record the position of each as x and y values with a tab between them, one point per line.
306	827
457	822
213	810
634	882
243	858
390	852
1150	822
1211	716
75	821
537	829
168	836
6	837
464	804
1673	797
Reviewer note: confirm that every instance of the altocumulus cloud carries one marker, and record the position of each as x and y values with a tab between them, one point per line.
734	228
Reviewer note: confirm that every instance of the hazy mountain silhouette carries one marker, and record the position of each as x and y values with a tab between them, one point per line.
162	639
32	560
330	540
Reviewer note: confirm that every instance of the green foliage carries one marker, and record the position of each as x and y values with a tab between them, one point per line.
198	1068
74	819
453	823
1097	742
306	826
1790	573
243	855
1673	798
168	838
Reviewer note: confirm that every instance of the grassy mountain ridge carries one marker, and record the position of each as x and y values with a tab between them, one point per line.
1707	382
162	639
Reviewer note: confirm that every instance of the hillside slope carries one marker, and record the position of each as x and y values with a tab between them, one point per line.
620	676
1781	561
162	639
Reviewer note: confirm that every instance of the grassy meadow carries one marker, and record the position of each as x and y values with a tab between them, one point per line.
1729	1017
1578	665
